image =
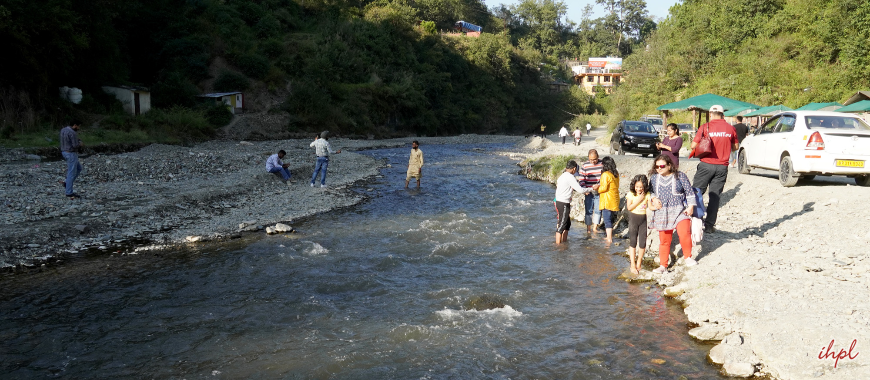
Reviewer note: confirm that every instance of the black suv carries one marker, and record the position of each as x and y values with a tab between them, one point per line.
635	137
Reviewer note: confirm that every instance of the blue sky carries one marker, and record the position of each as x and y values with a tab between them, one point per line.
657	8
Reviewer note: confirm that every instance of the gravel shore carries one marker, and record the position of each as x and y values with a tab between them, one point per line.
783	277
163	195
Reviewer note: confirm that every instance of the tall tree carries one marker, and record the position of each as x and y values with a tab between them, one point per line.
626	18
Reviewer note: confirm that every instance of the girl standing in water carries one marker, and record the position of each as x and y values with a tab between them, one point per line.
673	201
637	202
608	187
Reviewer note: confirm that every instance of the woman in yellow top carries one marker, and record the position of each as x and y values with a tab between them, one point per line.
608	187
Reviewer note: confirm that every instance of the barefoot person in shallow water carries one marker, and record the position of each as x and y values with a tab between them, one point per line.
608	188
566	185
673	201
637	202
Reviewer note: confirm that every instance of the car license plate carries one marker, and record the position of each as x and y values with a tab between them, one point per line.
850	163
647	146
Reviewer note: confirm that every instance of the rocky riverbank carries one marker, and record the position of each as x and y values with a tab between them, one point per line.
164	195
782	284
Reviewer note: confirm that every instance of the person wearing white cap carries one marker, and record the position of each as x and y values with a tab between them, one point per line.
713	169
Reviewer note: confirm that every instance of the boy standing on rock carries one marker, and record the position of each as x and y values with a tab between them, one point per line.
566	185
69	148
415	164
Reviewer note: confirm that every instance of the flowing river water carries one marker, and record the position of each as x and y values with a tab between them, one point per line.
374	291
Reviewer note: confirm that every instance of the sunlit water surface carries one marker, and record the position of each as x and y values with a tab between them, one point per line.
376	291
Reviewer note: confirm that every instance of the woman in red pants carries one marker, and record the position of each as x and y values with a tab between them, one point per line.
673	201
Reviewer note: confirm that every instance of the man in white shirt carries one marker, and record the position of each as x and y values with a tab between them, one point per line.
274	164
588	128
322	149
577	135
566	185
563	133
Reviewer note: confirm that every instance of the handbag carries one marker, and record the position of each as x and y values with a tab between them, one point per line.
705	145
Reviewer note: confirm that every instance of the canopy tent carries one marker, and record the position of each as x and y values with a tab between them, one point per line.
702	103
832	106
858	107
739	111
768	111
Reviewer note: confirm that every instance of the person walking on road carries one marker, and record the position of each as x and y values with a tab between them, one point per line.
274	164
563	133
673	201
415	164
741	130
566	185
712	171
70	145
322	149
588	128
577	135
589	176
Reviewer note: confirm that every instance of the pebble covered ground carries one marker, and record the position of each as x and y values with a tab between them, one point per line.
164	195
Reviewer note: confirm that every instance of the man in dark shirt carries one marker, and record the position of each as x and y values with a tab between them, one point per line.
741	130
69	148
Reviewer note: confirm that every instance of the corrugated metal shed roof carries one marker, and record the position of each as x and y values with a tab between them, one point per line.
218	94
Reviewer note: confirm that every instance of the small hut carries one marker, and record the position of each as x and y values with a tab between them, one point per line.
234	101
136	100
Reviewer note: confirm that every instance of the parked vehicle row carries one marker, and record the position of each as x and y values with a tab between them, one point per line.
806	144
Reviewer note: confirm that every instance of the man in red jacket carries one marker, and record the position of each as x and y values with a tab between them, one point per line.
713	168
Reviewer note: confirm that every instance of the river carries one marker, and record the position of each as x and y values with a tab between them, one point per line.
374	291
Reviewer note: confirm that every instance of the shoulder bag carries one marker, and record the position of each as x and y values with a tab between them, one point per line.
705	145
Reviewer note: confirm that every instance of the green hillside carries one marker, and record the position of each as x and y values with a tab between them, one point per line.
353	67
765	52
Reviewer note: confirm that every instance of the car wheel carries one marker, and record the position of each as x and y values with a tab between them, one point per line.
742	165
787	178
862	180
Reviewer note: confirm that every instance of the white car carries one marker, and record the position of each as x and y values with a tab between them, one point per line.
804	144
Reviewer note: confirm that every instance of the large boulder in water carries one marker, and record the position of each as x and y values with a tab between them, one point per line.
484	302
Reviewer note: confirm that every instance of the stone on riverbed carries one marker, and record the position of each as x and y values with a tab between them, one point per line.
484	302
739	369
710	331
643	276
281	227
